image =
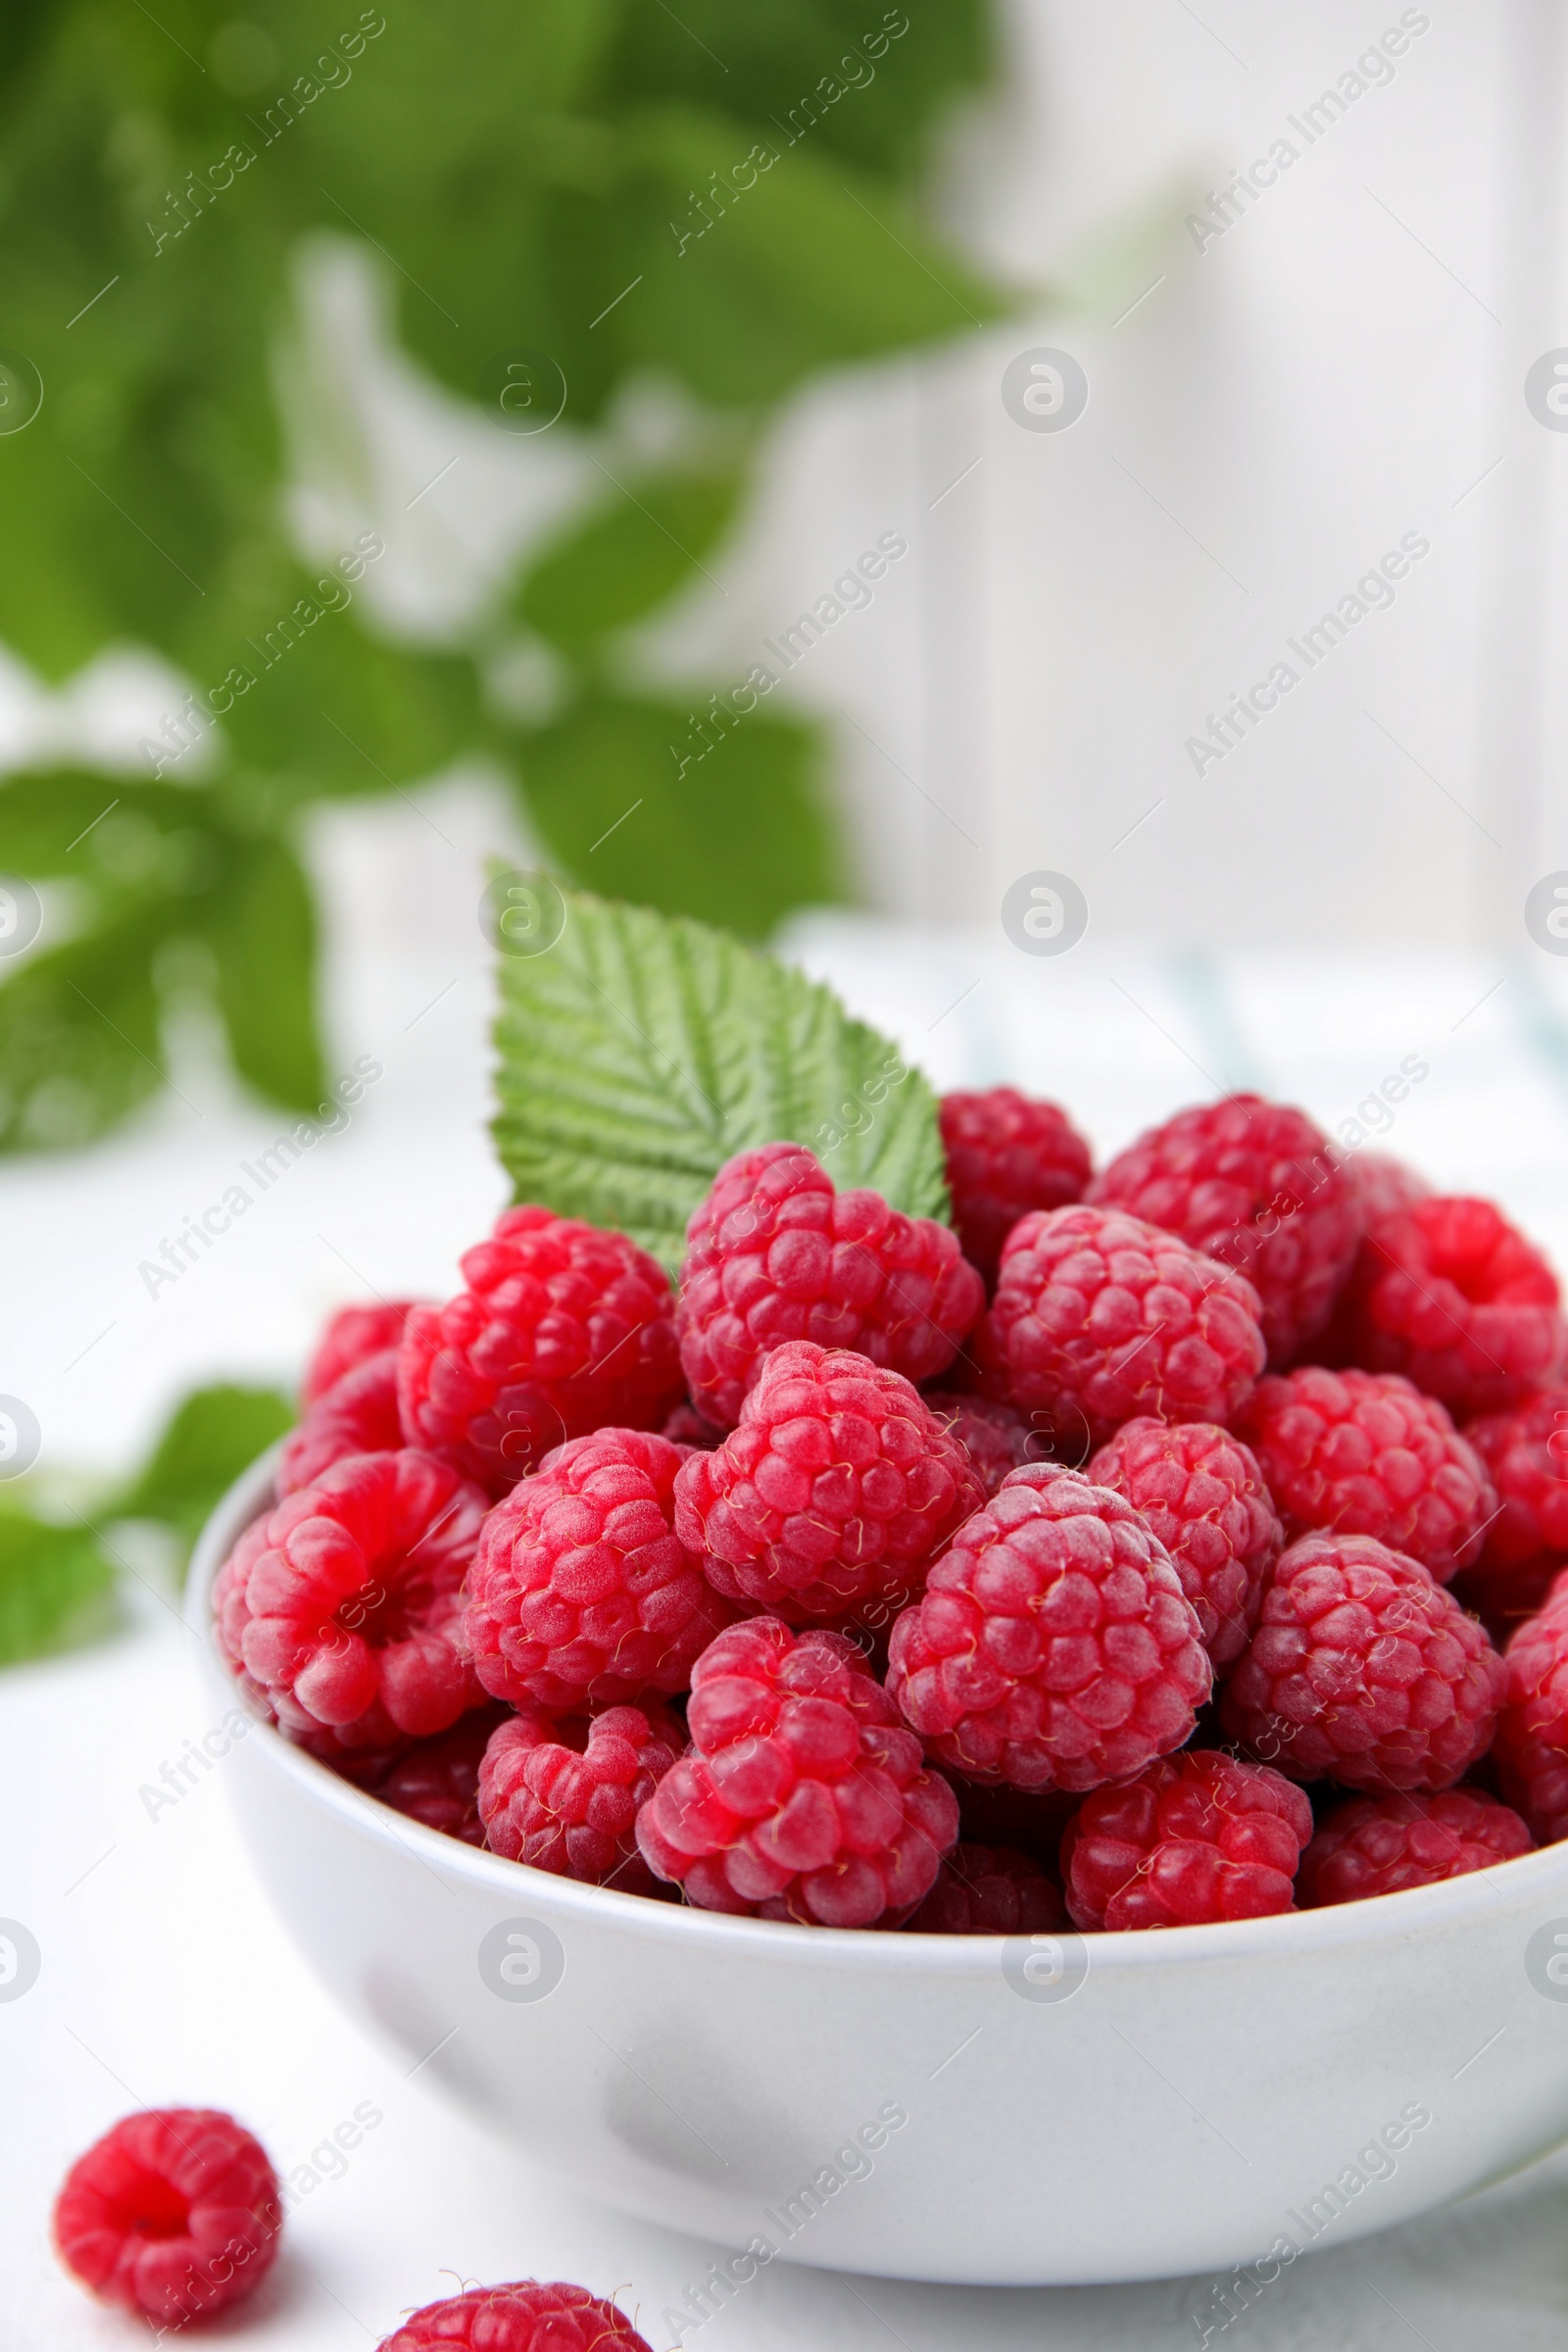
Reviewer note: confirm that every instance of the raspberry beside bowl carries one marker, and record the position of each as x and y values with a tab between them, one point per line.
995	2111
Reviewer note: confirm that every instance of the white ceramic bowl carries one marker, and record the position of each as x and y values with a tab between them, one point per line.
1001	2111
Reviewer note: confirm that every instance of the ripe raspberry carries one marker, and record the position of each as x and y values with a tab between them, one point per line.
686	1427
563	1796
1531	1752
1385	1185
1257	1186
526	2318
343	1606
352	1336
173	2214
561	1330
1379	1844
1203	1493
838	1488
996	1439
1098	1317
1006	1156
357	1414
1054	1647
1525	1452
1449	1294
775	1252
438	1783
1364	1670
990	1891
1202	1836
1364	1453
581	1591
805	1799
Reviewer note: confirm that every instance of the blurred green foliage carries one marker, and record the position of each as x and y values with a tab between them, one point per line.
583	178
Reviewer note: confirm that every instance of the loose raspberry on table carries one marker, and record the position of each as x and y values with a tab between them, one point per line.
1448	1292
990	1891
1203	1493
438	1782
1196	1838
1258	1188
357	1414
1531	1751
1385	1185
581	1591
1380	1844
1526	1454
173	2214
996	1439
1364	1453
524	2318
775	1252
805	1799
1364	1671
562	1795
1006	1154
1055	1646
343	1605
838	1489
562	1329
350	1337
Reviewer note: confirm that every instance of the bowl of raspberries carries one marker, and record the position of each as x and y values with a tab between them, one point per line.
1030	1749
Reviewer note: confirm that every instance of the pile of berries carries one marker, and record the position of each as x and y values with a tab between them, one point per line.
1153	1547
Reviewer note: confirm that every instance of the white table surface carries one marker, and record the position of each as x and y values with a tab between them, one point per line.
165	1978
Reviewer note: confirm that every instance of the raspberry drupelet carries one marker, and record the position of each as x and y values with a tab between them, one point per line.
1054	1648
777	1252
1364	1671
524	2318
342	1605
1258	1188
1531	1752
1364	1453
350	1337
1380	1844
581	1592
1203	1496
804	1798
1098	1317
173	2215
990	1891
1199	1836
1385	1185
562	1795
1526	1454
561	1330
357	1414
838	1489
996	1439
1450	1293
1006	1154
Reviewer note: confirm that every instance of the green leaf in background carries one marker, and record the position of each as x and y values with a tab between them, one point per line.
212	1437
737	835
640	1053
82	1039
262	923
54	1583
644	543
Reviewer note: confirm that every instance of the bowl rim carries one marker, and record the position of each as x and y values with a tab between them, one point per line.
1281	1937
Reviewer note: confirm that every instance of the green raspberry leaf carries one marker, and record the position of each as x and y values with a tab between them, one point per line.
641	1050
54	1585
210	1438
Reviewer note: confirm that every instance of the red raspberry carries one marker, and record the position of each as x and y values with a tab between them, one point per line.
173	2214
1385	1185
996	1439
1202	1836
774	1253
352	1336
1449	1294
357	1414
526	2318
561	1330
1364	1453
438	1783
1526	1451
1256	1186
1203	1493
1006	1156
1098	1317
1364	1670
990	1891
1531	1751
838	1489
563	1796
805	1799
343	1606
1380	1844
582	1591
686	1427
1054	1647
